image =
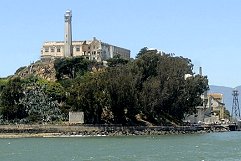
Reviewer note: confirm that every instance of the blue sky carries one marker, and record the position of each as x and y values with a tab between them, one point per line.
206	31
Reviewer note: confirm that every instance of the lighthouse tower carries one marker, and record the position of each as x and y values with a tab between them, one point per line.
68	34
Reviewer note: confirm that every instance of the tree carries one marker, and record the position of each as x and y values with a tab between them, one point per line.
42	99
71	67
11	108
142	51
20	69
3	83
116	61
88	94
39	106
31	99
164	93
121	89
53	90
152	86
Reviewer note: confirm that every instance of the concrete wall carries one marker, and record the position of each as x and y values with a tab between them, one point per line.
196	118
76	117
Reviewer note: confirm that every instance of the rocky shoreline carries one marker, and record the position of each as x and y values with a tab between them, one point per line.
20	131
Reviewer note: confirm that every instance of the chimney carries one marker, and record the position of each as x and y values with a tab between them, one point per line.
200	71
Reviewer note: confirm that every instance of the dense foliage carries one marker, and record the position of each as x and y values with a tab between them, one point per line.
71	67
149	90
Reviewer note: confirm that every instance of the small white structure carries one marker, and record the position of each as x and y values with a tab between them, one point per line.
76	117
187	76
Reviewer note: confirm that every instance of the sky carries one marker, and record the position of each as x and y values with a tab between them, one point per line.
206	31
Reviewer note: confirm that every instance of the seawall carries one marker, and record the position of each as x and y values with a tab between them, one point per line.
105	130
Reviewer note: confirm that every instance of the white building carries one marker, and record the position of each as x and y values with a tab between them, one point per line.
90	49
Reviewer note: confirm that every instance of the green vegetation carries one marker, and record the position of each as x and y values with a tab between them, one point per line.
151	89
3	83
20	69
70	67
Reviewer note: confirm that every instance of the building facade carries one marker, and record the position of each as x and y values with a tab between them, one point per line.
91	49
215	102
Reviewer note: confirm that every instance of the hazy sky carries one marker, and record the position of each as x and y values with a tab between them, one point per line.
206	31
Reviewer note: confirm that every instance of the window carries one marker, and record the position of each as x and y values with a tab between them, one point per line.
89	47
52	50
58	50
77	48
46	50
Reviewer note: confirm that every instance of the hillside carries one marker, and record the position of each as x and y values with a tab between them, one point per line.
41	69
116	94
47	71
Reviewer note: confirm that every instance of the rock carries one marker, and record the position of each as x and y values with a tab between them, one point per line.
41	69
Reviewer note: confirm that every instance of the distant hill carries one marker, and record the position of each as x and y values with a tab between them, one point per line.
227	94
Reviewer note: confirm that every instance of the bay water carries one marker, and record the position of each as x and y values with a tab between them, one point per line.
224	146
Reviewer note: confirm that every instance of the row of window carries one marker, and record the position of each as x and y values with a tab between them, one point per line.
52	50
93	53
93	47
58	50
85	53
77	49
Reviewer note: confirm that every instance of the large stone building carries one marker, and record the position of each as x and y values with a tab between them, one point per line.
91	49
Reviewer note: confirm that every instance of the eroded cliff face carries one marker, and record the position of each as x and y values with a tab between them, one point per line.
46	70
41	69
